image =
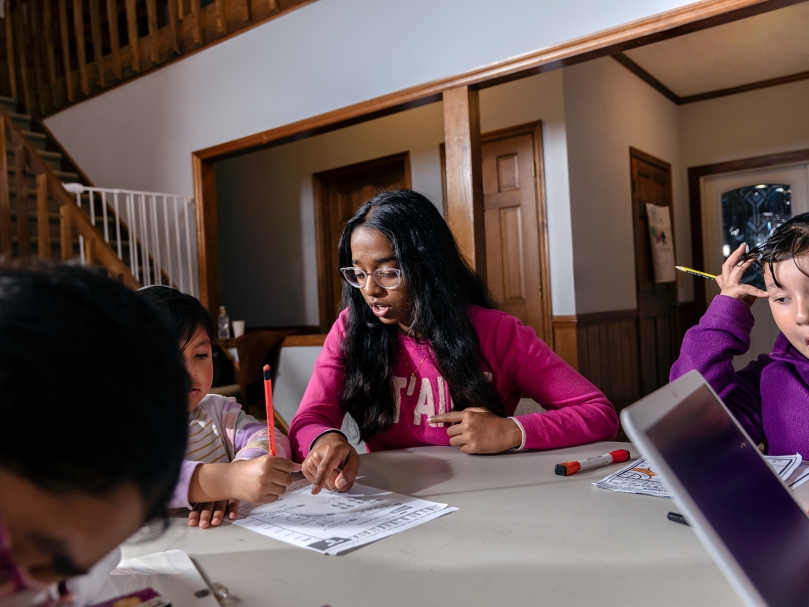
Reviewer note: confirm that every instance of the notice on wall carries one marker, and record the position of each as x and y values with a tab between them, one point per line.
662	242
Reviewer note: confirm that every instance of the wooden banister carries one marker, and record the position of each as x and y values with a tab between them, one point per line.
71	217
5	203
37	33
43	218
21	195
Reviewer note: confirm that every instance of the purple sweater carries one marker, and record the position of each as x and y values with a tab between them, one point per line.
770	396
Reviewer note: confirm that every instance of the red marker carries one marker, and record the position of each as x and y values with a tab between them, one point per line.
270	414
613	457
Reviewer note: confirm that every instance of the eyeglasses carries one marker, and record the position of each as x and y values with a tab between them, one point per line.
387	278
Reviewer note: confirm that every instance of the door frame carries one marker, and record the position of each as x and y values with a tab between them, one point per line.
695	175
322	243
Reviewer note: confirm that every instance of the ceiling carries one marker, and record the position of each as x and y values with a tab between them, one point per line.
759	48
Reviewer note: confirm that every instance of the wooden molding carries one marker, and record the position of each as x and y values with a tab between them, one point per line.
695	175
734	90
677	22
647	77
303	340
464	175
207	226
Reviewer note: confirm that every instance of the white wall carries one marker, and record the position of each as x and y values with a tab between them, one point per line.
266	210
321	57
607	111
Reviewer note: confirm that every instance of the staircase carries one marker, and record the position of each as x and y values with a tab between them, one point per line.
49	209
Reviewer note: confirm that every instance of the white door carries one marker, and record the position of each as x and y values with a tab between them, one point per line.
796	177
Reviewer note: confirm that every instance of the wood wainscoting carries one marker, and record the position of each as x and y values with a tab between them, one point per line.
604	347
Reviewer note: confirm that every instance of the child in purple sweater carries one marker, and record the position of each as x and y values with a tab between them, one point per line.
769	397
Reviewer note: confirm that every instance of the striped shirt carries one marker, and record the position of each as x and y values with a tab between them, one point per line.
220	432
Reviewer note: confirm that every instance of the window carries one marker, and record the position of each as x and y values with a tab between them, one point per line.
749	214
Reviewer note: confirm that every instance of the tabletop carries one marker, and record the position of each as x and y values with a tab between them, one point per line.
521	536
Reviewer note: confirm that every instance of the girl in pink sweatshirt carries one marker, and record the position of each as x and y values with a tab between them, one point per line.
421	356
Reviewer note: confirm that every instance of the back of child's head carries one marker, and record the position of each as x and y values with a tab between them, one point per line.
93	390
787	241
182	313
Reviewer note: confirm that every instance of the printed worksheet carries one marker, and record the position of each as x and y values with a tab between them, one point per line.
643	478
332	522
801	476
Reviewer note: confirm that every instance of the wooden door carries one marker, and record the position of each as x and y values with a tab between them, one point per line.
657	302
516	253
338	195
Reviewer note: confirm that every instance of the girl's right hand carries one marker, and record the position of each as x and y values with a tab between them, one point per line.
332	463
730	281
260	480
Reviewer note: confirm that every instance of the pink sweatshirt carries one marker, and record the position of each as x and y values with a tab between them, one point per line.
521	363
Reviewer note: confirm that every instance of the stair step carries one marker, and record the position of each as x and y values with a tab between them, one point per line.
53	217
23	121
52	159
9	103
38	140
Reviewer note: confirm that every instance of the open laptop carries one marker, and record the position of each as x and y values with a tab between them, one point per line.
739	508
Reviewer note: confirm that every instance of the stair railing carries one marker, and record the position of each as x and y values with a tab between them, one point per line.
94	249
160	231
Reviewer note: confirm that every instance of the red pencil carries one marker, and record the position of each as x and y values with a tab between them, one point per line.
270	414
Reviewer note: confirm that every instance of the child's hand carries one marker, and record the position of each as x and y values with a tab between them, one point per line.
260	480
212	513
730	281
478	430
332	463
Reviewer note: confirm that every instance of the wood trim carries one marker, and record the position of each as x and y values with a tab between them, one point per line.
677	22
647	78
464	175
735	90
292	341
744	88
695	175
5	201
207	226
43	218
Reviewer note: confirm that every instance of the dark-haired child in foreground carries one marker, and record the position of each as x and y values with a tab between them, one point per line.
769	397
421	356
103	377
227	456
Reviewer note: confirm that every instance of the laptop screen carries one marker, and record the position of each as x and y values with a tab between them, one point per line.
738	493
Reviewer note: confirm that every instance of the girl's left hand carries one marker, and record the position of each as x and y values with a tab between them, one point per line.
212	513
478	430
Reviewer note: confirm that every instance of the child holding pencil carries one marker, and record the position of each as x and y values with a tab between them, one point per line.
421	356
769	397
227	455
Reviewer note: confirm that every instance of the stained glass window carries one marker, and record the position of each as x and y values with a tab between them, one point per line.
749	214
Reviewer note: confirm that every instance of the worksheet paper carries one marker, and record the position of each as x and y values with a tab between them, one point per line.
642	477
801	476
332	522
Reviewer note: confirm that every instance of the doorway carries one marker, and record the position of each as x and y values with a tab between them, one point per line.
338	193
744	207
657	301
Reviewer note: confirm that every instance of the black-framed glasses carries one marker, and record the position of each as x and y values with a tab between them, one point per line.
387	278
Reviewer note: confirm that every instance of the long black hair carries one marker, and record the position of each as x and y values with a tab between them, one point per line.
90	366
441	286
787	241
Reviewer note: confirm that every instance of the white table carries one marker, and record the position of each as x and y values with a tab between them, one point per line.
522	536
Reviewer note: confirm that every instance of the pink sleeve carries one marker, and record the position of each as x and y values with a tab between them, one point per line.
320	408
576	411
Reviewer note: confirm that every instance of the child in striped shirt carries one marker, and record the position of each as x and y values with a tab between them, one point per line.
227	455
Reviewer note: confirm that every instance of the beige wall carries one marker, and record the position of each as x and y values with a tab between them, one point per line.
266	205
607	111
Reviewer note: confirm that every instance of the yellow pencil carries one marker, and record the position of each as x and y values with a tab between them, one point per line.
695	272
